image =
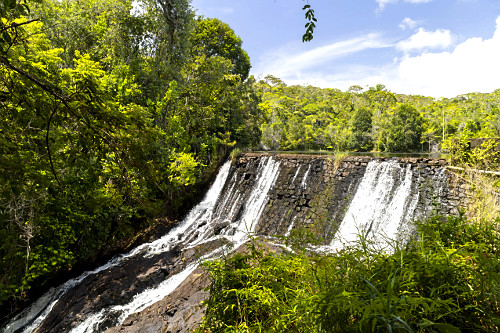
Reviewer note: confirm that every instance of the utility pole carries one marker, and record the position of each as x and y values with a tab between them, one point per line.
444	123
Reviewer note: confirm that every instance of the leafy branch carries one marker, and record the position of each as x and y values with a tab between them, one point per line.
310	25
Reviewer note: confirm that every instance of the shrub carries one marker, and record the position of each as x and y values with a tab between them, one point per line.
445	280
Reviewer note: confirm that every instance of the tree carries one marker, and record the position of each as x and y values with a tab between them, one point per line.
361	125
213	37
152	44
403	131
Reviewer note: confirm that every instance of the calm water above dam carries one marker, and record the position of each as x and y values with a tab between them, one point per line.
371	154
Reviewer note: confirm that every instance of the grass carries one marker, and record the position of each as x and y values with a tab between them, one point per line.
338	158
446	280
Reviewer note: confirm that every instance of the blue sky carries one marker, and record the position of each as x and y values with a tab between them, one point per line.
439	48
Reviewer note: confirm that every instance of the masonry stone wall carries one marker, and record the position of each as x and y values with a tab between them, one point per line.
313	192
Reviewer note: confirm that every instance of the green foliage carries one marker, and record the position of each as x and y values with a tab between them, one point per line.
310	118
109	117
361	125
12	23
485	157
402	132
183	170
258	291
310	25
447	279
152	43
235	153
303	118
213	37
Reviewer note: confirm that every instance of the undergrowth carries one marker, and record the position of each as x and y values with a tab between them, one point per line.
445	280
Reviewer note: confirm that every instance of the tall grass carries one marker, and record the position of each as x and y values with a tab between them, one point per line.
338	157
235	154
482	194
446	280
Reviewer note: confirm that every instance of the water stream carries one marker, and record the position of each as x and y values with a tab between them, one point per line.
381	208
32	317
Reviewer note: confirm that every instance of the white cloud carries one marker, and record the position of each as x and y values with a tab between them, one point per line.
286	63
408	23
471	66
383	3
439	39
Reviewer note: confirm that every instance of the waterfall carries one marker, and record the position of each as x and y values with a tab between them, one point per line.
268	174
296	174
381	208
33	316
256	196
197	228
303	184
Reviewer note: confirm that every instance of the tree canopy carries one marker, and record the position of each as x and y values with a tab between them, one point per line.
212	37
361	119
112	118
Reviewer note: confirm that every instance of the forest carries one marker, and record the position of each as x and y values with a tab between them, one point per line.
111	119
373	118
117	113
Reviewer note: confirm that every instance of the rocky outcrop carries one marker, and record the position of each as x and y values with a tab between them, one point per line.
181	311
116	285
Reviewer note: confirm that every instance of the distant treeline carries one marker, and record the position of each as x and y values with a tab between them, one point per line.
306	117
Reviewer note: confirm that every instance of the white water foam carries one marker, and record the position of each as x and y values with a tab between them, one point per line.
268	172
381	207
138	303
290	227
296	174
304	184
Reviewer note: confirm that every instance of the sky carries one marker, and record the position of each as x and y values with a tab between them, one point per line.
437	48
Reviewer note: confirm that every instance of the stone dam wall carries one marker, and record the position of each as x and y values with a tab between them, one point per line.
313	191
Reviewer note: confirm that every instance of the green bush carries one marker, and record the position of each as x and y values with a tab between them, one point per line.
447	279
483	157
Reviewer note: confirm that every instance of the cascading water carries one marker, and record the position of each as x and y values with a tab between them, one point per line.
33	316
382	208
195	229
256	201
243	200
304	180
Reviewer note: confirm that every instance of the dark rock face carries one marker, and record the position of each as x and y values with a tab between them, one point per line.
310	193
313	192
181	311
116	285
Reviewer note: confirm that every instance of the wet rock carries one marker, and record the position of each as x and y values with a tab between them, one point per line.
181	311
116	285
219	227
